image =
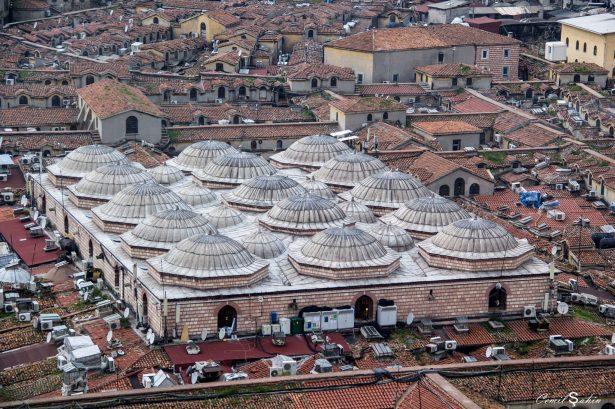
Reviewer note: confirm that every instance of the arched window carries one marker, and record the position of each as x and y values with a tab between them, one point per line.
385	116
219	67
590	78
221	93
203	27
66	226
576	46
145	305
64	82
163	123
474	189
253	145
262	93
242	91
201	120
132	125
392	18
193	94
90	249
47	82
236	119
279	145
310	34
333	82
227	316
595	50
363	308
116	276
156	21
89	80
56	101
584	47
314	83
576	78
444	190
370	117
23	100
497	298
166	96
567	41
460	187
611	131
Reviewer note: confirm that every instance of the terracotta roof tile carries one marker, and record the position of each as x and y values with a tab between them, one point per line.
108	98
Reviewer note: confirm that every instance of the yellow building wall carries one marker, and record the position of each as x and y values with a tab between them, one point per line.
360	62
150	20
192	25
213	29
605	56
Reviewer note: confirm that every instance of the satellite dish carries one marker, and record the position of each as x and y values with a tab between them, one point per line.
48	337
35	216
554	251
562	308
194	377
126	312
260	298
151	337
35	24
24	201
111	12
43	222
109	335
148	335
489	352
410	318
613	338
204	334
221	333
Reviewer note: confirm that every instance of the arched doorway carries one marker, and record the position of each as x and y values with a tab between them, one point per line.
576	78
193	94
444	191
253	145
227	316
132	125
364	308
89	80
474	189
55	101
314	83
497	298
460	187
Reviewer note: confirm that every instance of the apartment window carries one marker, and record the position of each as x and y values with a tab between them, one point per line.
456	144
584	47
485	54
505	71
454	82
576	46
359	78
370	118
385	116
333	82
395	77
440	56
506	53
595	50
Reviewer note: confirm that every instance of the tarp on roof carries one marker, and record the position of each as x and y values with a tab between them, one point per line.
530	199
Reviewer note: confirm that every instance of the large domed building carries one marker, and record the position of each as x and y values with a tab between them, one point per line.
425	216
166	174
198	155
345	171
309	153
260	193
82	161
233	169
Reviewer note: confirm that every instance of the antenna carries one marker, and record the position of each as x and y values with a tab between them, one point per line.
562	308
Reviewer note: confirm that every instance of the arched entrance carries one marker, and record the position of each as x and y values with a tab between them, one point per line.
444	191
226	316
576	78
474	189
221	93
364	308
460	187
497	298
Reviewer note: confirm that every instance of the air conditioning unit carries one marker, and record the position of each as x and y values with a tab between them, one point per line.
3	177
529	311
560	216
24	317
431	348
607	309
219	101
46	325
386	315
609	350
10	81
450	345
266	329
592	194
9	308
559	186
411	100
112	321
275	371
559	345
289	367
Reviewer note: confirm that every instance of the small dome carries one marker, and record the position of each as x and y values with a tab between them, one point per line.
172	226
317	188
358	212
303	214
223	216
310	152
262	192
264	244
85	159
198	155
196	195
104	182
134	203
343	252
475	245
209	261
346	170
425	216
393	237
166	175
386	190
233	169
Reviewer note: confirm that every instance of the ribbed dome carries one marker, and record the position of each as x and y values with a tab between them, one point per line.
262	192
198	155
85	159
393	237
387	190
348	169
233	169
303	214
196	196
317	188
426	215
264	244
107	180
343	252
223	216
208	256
358	212
171	226
474	236
310	152
134	203
166	174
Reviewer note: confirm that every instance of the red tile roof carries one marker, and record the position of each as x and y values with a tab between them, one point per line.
366	104
446	127
453	70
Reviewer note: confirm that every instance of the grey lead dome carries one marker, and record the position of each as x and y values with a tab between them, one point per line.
85	159
346	170
264	244
166	174
394	237
198	155
474	236
262	192
171	226
310	152
107	180
233	169
357	211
